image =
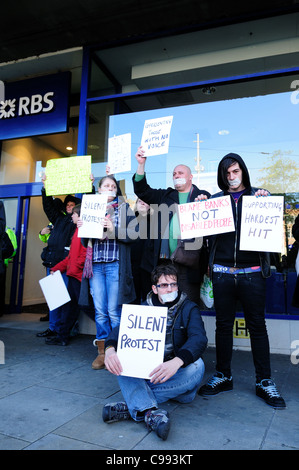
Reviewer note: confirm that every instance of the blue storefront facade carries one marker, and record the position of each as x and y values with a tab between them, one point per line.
229	95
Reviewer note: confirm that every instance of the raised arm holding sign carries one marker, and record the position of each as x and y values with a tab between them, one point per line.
165	202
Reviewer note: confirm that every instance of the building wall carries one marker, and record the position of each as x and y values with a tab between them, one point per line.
18	164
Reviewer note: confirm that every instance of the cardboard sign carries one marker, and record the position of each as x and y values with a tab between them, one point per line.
156	135
93	209
262	224
54	290
69	175
141	339
119	153
208	217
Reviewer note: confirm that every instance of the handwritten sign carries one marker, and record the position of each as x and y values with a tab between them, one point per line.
262	224
208	217
119	153
69	175
141	339
156	134
54	290
93	209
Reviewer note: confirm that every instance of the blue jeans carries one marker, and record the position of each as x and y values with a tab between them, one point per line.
104	290
250	290
54	315
141	394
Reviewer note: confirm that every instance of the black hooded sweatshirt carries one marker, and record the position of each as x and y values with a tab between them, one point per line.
225	247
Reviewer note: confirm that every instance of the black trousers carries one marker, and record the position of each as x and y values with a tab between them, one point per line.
69	311
250	290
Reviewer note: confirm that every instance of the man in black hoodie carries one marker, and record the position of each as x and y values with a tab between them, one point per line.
239	276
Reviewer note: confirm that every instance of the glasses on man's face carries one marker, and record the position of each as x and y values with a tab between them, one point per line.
164	285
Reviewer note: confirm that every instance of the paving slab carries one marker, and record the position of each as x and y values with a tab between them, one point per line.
51	399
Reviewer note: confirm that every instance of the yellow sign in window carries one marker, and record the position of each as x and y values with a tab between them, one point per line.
240	328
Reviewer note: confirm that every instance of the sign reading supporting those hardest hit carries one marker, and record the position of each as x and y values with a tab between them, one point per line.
69	175
93	209
262	224
141	339
208	217
156	135
119	153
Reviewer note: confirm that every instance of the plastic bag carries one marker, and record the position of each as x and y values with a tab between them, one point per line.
206	292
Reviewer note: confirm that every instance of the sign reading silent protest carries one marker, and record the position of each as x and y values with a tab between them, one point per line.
262	224
93	209
208	217
68	175
141	339
156	135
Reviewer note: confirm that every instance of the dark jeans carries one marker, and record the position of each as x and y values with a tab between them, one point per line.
192	289
250	290
70	311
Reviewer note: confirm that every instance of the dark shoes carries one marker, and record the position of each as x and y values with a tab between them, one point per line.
115	412
155	420
55	341
46	318
266	389
159	422
218	383
46	334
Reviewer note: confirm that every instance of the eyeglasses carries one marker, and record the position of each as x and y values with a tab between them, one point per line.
165	285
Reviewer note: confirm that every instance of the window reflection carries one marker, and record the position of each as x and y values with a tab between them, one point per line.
262	128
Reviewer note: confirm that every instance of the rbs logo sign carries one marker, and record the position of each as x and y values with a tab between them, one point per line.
27	105
36	106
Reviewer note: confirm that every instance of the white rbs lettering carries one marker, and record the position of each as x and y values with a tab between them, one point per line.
36	104
48	101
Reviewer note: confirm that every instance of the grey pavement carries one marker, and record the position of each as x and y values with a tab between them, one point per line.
51	399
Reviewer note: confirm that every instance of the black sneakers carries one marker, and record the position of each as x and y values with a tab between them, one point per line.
216	384
266	389
159	422
155	420
46	334
55	341
115	412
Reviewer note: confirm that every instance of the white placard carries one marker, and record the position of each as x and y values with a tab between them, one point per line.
93	209
156	135
208	217
262	224
141	339
54	290
119	153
